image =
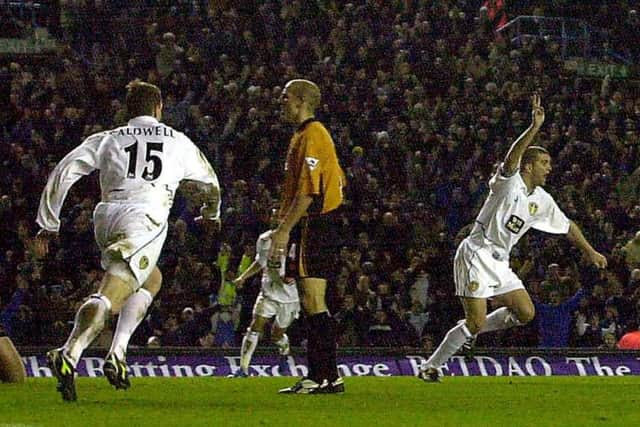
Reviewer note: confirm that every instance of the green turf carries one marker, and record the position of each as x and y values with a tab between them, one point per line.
402	401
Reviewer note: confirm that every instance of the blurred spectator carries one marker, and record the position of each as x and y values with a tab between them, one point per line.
554	318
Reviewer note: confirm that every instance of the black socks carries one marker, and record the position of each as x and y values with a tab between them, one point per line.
321	347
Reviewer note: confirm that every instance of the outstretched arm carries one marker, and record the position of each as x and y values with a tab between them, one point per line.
253	269
512	160
79	162
577	238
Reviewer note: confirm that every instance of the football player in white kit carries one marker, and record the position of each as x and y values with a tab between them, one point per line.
516	203
278	298
141	165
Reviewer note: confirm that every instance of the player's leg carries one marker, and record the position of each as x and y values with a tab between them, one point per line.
250	342
321	345
287	312
116	286
133	312
11	366
140	247
131	315
518	309
475	310
320	338
319	243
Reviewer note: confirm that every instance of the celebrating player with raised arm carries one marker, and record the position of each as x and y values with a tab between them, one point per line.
141	165
516	203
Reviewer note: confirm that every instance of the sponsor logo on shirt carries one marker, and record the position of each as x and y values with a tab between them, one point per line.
312	162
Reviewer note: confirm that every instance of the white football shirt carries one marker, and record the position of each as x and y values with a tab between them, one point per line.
509	212
141	163
273	285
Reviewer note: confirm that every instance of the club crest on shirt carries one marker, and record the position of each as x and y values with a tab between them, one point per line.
312	162
533	208
144	262
473	286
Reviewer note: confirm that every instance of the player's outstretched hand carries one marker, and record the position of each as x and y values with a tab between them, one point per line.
598	259
41	243
537	112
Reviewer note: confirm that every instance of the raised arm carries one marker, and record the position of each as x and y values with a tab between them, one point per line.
512	159
577	238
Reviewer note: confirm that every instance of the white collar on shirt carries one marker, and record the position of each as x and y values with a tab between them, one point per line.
143	120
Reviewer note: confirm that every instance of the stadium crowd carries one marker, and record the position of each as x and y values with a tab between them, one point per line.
422	98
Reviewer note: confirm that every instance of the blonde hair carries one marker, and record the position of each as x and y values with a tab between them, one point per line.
306	90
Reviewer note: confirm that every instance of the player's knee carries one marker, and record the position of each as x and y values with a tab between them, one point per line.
257	325
313	301
313	304
98	305
123	273
11	366
526	314
154	282
118	285
475	323
276	334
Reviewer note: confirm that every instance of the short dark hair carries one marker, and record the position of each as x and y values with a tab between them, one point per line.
531	154
142	98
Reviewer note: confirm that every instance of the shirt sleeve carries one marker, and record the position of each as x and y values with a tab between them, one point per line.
262	249
552	220
198	168
501	182
317	141
79	162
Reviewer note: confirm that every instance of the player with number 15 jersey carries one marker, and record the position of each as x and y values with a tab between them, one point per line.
141	165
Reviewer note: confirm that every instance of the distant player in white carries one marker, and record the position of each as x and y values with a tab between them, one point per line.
278	298
516	203
141	165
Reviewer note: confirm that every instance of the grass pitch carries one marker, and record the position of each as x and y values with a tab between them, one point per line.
395	401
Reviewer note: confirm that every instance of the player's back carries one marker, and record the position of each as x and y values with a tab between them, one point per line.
143	162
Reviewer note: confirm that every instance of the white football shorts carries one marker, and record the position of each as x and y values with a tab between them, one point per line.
129	233
284	312
479	273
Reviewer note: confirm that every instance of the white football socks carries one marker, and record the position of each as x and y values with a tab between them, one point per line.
89	322
499	319
132	313
450	344
249	344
